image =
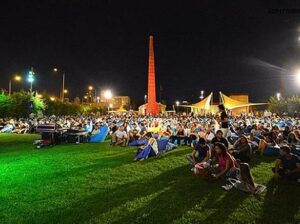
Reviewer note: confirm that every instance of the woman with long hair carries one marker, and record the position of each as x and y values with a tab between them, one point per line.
226	162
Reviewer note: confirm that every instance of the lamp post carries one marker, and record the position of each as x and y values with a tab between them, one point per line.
177	104
202	94
278	95
63	83
108	96
30	78
16	78
298	77
91	88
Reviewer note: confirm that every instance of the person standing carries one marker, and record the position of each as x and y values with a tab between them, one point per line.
224	120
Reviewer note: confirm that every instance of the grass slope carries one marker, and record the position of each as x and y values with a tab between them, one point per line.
96	183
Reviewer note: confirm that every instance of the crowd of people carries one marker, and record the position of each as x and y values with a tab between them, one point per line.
222	145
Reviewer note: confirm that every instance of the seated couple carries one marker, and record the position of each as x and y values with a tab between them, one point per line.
218	154
121	137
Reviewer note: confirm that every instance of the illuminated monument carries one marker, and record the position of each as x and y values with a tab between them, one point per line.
151	107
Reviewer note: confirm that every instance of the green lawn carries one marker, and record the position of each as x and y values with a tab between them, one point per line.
96	183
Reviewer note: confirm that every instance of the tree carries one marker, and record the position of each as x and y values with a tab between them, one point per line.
18	104
285	105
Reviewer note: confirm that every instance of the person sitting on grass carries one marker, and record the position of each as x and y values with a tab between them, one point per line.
226	162
294	143
241	149
287	166
134	133
151	147
217	139
269	141
200	153
209	134
180	135
96	130
120	137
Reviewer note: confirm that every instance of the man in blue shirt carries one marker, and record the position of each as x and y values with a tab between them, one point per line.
287	165
200	153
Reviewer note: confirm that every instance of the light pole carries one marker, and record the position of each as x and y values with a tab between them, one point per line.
30	78
16	78
202	94
91	88
278	95
298	77
177	104
108	96
63	83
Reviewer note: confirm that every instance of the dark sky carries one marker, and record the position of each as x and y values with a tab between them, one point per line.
199	45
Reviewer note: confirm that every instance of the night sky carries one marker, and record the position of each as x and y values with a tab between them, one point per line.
199	45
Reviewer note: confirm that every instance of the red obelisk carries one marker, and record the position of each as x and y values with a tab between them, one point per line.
151	103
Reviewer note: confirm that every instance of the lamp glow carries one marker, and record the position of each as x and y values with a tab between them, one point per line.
108	94
278	95
17	78
30	77
298	77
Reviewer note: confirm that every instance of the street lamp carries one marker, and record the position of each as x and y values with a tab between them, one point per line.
298	77
145	98
30	78
63	83
278	95
92	95
202	94
15	78
177	104
107	94
52	98
65	91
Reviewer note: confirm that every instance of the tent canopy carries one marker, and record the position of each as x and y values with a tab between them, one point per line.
230	103
203	104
